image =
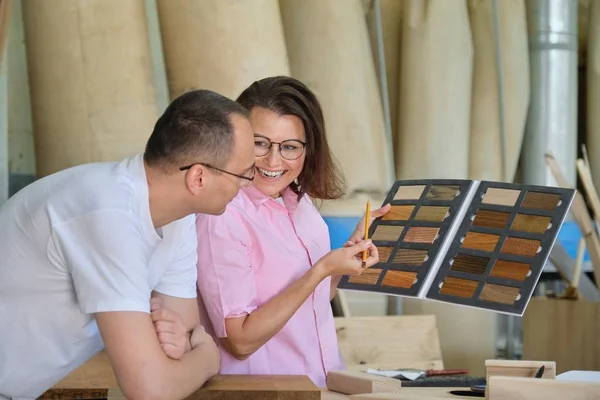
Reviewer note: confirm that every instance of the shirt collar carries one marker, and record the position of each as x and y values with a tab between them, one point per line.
258	198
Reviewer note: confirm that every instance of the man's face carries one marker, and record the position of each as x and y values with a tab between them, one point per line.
224	187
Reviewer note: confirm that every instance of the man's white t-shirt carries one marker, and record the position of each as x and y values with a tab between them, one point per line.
73	244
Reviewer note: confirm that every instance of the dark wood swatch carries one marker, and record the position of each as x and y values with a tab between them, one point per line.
510	270
501	197
384	253
398	213
470	264
409	256
387	233
400	279
369	276
480	241
431	213
520	246
420	234
409	192
530	223
491	219
442	192
458	287
541	201
499	293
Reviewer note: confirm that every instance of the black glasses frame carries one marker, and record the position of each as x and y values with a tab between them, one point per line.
251	179
279	147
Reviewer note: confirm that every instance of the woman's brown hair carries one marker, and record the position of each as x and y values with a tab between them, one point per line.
321	178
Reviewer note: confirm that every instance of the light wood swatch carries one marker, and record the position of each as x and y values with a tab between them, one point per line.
501	197
421	234
409	192
499	293
398	213
530	223
387	233
369	276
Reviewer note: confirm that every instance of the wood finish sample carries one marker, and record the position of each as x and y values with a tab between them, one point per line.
520	246
501	197
458	287
530	223
471	264
541	201
421	234
480	241
499	293
384	253
431	213
401	279
368	277
409	256
398	213
80	394
254	387
387	233
510	270
491	219
409	192
438	192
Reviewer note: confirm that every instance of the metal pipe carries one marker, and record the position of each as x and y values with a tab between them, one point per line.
552	118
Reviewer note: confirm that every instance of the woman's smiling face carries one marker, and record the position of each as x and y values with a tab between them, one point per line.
283	163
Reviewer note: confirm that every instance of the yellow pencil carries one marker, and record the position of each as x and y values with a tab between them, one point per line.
367	219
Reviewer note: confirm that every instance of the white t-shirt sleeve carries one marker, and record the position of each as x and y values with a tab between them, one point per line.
107	257
179	280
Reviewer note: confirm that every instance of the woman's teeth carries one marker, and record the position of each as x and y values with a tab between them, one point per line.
270	174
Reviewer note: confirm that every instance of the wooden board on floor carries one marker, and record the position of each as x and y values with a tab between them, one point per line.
389	342
355	382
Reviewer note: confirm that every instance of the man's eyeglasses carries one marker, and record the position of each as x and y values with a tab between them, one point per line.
290	149
248	178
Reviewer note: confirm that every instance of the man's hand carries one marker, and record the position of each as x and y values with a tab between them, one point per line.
170	329
200	338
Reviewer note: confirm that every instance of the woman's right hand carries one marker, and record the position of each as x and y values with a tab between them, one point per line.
348	260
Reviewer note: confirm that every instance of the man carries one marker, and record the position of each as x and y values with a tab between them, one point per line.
83	251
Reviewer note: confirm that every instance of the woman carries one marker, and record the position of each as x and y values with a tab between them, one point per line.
266	274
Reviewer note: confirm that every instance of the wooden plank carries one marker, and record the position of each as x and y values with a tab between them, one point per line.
511	388
520	368
389	342
248	387
565	331
566	266
97	373
413	393
354	382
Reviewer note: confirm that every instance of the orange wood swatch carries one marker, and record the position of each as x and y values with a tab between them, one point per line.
369	276
458	287
480	241
541	201
499	293
501	197
409	192
530	223
442	192
420	234
384	253
470	264
401	279
398	213
387	233
510	270
409	256
520	246
431	213
491	219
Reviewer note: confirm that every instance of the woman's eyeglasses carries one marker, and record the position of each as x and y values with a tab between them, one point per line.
290	149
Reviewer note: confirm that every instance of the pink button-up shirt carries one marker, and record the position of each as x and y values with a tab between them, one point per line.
252	252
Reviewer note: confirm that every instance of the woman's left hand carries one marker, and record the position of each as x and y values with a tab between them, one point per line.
359	232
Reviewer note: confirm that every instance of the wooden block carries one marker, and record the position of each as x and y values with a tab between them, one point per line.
250	387
519	368
512	388
412	393
390	342
353	382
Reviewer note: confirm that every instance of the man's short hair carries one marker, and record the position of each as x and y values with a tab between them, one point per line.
196	127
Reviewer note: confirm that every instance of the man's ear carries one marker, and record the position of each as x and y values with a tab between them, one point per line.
195	178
